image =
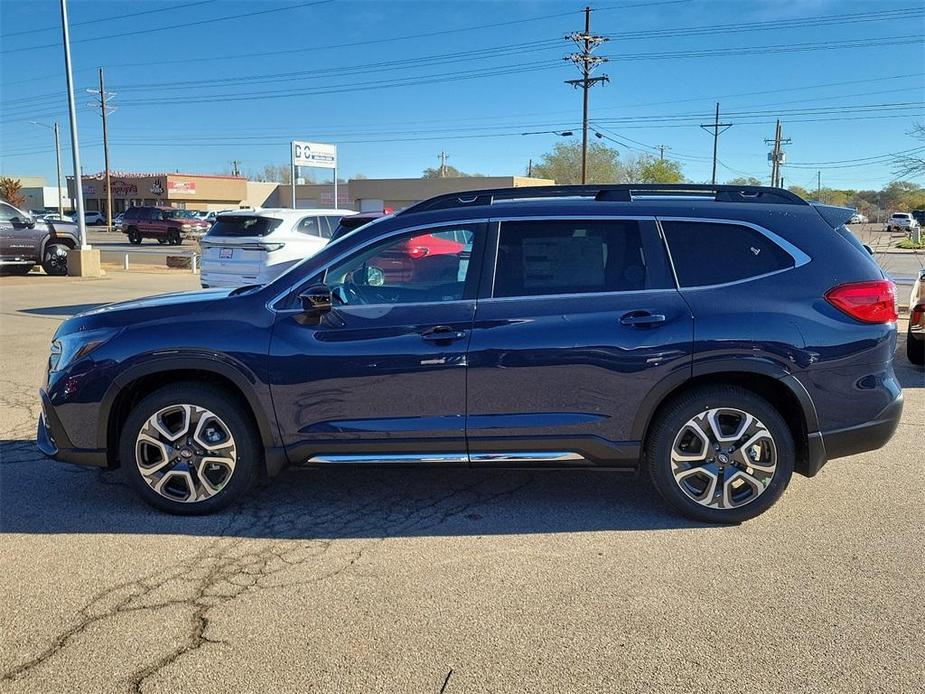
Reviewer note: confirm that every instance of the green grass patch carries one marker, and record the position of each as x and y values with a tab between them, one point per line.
909	244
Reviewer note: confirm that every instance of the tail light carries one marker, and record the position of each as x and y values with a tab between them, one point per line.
915	315
868	302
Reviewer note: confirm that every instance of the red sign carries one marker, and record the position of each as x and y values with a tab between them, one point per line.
181	187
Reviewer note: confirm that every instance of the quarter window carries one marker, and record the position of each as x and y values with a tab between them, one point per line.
422	267
310	226
544	257
706	253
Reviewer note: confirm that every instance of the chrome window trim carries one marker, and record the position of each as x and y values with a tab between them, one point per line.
573	295
271	303
798	256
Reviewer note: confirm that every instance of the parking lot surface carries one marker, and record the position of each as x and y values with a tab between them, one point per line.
444	580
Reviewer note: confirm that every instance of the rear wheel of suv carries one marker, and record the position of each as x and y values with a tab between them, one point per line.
720	454
134	237
188	449
54	262
915	349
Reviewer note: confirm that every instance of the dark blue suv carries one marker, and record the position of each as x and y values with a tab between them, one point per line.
717	337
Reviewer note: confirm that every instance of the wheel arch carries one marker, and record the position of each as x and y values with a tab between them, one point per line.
764	379
63	239
136	383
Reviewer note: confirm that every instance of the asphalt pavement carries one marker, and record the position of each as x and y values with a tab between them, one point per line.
444	580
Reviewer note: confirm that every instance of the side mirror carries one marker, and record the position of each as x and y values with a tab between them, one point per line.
316	300
868	249
30	222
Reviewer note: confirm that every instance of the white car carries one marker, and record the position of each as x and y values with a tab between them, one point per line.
901	221
257	246
91	218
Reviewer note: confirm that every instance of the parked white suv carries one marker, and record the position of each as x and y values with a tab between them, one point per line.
257	246
901	221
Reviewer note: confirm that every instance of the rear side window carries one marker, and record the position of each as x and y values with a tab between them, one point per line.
311	226
543	257
706	253
243	225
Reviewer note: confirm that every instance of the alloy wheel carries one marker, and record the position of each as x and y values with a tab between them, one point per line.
723	458
185	453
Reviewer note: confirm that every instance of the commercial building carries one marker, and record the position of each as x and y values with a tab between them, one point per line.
202	192
39	195
184	191
374	194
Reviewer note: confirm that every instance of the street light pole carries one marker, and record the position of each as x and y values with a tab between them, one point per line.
57	159
72	115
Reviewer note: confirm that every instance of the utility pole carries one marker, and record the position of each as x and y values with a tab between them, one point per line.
530	169
235	171
586	62
776	156
716	128
819	186
57	159
443	156
75	143
661	151
103	95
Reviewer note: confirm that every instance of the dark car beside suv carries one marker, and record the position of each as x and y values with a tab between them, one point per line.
26	242
717	337
167	225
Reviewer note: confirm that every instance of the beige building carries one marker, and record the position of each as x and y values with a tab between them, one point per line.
375	194
200	192
185	191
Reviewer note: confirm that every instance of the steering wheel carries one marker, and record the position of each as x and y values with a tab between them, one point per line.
347	294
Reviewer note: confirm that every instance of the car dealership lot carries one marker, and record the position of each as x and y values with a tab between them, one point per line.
368	581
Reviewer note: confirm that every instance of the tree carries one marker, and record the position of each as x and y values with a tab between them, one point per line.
11	191
449	172
653	170
275	173
912	164
745	181
563	164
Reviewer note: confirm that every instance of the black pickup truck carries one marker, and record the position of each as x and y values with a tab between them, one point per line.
25	242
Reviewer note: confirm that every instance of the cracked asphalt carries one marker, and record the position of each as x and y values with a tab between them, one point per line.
444	580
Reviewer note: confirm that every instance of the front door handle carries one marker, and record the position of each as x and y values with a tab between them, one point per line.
642	319
442	333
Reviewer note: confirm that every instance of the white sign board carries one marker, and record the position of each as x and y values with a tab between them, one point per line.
314	154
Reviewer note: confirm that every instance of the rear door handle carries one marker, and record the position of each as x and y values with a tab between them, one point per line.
442	333
642	319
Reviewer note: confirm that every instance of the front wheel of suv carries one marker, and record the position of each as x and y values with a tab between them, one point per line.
188	449
720	454
54	261
134	237
173	238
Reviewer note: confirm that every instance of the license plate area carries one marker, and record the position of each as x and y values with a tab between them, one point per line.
225	253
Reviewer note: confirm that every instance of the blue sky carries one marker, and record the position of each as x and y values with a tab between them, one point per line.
393	83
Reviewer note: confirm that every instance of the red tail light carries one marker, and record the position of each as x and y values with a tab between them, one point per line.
868	302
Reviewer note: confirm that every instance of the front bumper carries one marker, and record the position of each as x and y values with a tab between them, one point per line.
869	436
52	440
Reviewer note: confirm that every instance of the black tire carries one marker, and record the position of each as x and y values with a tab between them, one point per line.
915	349
230	410
54	262
173	237
134	237
674	417
161	241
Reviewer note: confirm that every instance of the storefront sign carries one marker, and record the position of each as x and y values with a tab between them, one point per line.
89	190
157	188
122	189
314	154
181	187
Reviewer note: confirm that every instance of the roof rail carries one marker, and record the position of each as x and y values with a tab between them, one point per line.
623	192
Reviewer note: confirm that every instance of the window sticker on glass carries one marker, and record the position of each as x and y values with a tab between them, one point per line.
563	262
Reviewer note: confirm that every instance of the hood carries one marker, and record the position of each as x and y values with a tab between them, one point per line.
149	308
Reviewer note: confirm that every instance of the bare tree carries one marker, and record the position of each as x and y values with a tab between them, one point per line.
912	163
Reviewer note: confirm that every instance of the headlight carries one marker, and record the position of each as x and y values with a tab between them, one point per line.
69	348
186	227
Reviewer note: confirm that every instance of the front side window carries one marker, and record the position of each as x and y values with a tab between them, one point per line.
706	253
545	257
8	212
420	267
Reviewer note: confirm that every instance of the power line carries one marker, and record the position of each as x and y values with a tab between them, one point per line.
109	18
184	25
